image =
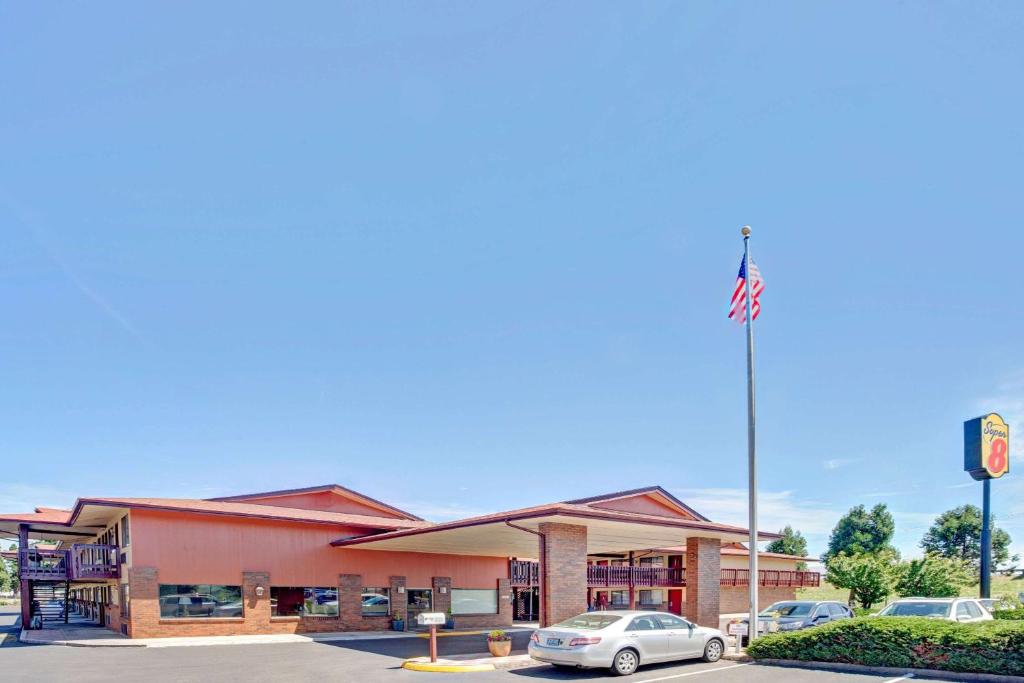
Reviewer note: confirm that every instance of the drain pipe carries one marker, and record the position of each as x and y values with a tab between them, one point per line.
542	578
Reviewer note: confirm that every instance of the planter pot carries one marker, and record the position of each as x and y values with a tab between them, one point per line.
500	648
397	625
450	624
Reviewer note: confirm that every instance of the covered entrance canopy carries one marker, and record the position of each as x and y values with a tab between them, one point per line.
562	536
502	535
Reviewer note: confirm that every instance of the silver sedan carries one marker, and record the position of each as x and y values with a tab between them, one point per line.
622	641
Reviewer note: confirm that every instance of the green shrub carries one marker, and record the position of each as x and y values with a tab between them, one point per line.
1009	614
905	642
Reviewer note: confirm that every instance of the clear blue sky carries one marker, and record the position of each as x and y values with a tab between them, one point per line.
472	256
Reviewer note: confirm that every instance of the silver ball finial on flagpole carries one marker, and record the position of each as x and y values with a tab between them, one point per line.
746	231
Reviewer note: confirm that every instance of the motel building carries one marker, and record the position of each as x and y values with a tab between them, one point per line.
327	558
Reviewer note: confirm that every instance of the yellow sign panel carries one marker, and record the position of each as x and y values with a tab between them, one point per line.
995	445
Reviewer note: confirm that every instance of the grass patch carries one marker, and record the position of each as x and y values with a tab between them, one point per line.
1001	585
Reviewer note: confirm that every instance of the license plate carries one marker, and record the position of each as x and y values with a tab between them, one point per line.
554	641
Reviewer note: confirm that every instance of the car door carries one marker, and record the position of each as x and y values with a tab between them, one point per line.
821	615
962	613
838	611
683	641
647	635
974	611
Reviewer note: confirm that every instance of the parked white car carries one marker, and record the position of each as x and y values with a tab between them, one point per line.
623	641
964	610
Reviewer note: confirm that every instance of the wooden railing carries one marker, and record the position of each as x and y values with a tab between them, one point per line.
772	578
602	575
43	565
82	561
94	561
523	573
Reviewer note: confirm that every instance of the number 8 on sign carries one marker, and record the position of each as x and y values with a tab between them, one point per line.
996	464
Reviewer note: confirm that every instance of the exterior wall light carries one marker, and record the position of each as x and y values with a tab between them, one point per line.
259	591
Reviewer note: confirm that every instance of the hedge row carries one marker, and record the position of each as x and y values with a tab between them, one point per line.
995	647
1009	614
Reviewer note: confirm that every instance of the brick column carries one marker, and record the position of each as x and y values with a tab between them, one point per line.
703	580
442	601
350	600
399	600
143	587
564	574
505	602
257	607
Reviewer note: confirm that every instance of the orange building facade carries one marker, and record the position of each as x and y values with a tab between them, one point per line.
328	558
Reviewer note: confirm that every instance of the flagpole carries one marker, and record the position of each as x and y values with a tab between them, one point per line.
751	451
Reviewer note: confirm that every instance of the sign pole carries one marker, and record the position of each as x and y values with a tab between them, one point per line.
986	538
751	450
986	457
433	643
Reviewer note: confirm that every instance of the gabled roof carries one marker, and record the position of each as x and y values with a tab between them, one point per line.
323	488
241	509
652	491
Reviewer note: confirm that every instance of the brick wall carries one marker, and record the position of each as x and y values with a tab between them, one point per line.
564	575
736	599
703	579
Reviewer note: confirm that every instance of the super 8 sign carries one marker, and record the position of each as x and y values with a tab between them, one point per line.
987	447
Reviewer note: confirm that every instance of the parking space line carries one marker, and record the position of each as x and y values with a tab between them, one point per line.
692	673
901	678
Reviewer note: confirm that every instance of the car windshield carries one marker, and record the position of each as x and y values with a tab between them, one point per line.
592	621
917	609
789	609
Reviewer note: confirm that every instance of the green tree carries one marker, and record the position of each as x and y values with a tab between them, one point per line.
868	576
956	533
860	531
932	576
791	543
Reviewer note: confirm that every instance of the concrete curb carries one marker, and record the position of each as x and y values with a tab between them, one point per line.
891	671
468	664
29	638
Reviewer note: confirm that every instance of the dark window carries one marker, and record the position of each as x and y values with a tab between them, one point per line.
187	601
651	598
672	622
657	561
125	536
838	611
644	624
125	604
310	602
619	598
376	602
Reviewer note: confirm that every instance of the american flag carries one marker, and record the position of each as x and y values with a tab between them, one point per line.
738	307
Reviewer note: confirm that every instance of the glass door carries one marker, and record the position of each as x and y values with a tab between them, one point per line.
419	600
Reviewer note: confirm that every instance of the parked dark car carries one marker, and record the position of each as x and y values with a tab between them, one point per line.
793	615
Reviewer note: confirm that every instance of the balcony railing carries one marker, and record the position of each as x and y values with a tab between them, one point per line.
94	561
772	578
43	564
83	561
523	573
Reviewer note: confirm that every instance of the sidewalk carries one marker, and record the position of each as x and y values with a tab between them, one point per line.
96	637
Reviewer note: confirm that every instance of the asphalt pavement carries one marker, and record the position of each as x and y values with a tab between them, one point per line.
357	661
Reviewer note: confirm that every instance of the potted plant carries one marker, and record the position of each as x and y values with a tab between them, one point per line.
397	622
449	622
499	643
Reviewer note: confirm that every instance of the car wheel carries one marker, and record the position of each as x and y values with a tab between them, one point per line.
713	650
626	661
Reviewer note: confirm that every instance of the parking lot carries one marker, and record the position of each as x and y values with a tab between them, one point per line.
366	660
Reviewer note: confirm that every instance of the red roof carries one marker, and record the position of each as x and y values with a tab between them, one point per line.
568	509
40	516
253	510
